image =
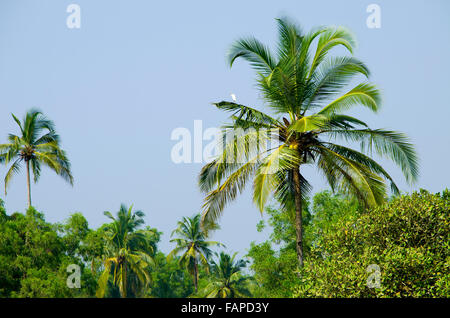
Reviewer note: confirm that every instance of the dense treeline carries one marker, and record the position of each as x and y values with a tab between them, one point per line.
407	238
119	259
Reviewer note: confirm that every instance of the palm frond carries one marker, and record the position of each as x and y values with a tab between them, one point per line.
394	145
355	178
290	38
332	76
256	53
247	113
14	169
215	201
331	37
365	94
364	160
266	181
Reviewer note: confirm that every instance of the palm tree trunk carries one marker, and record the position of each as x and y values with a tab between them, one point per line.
28	183
195	275
298	216
124	280
92	266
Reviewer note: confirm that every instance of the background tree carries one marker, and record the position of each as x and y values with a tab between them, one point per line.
226	279
75	229
36	145
34	259
192	242
169	279
274	261
302	85
83	242
128	251
92	248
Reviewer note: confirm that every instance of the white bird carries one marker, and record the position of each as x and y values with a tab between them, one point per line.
233	97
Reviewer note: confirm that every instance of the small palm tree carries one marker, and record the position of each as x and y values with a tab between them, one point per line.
192	241
128	251
227	280
38	144
302	87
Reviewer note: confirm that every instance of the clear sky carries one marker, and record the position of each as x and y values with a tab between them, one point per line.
135	70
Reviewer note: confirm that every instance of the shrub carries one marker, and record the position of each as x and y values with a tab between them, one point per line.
408	238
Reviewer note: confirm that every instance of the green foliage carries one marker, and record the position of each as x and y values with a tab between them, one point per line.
329	210
169	279
75	229
34	259
128	254
274	261
35	255
192	242
408	238
226	279
273	270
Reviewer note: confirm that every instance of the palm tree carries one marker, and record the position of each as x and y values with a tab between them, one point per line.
38	144
302	86
192	240
227	280
128	251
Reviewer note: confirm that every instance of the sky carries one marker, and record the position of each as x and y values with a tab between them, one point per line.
134	71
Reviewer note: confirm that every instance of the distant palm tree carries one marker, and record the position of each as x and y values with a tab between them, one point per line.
192	240
301	84
128	250
37	144
227	280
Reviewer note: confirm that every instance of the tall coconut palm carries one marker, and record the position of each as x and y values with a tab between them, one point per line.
128	250
36	145
192	241
227	280
301	84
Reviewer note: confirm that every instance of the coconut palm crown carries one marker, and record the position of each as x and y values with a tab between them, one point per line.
37	144
307	92
227	280
128	251
191	241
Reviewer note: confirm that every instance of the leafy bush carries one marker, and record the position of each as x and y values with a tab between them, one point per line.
34	259
408	238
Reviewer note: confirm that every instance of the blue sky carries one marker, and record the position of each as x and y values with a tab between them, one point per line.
135	70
